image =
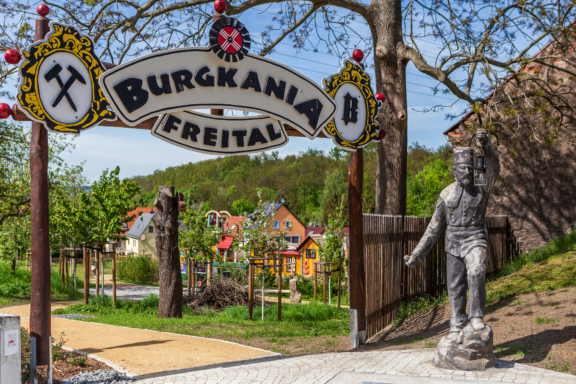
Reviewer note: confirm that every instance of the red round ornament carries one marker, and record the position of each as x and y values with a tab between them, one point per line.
5	111
220	6
382	134
358	55
380	97
42	10
12	56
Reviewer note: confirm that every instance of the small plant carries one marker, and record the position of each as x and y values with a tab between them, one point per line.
430	344
544	320
78	361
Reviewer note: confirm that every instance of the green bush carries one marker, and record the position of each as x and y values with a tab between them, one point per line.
139	270
18	283
99	306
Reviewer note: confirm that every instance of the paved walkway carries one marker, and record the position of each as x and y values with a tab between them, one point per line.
381	367
135	292
141	352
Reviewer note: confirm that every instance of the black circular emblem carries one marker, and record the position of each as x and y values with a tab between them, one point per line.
229	39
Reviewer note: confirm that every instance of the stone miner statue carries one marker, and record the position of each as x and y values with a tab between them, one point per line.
461	211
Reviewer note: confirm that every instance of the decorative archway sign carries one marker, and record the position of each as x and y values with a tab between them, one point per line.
65	88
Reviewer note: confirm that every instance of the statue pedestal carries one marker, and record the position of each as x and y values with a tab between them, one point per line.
468	350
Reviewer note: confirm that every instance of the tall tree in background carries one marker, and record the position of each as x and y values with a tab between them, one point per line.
197	240
15	239
479	47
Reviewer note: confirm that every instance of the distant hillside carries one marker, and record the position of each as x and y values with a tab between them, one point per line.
312	183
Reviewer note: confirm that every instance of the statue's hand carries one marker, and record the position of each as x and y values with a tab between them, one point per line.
482	137
411	260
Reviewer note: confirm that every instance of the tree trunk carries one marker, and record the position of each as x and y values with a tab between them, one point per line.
390	68
14	266
166	222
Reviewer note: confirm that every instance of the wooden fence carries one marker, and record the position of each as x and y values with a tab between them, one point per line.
389	281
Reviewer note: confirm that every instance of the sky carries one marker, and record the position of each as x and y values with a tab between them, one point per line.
137	152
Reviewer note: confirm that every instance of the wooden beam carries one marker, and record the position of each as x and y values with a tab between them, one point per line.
18	115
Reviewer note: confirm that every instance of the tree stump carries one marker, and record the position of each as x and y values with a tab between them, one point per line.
170	278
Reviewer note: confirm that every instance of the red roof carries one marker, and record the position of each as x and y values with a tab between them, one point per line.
137	212
314	230
226	242
291	253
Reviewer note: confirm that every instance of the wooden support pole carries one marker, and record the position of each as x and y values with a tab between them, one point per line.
114	274
280	269
315	281
86	275
250	291
189	276
208	273
41	265
339	285
62	273
193	278
67	267
324	282
356	262
97	259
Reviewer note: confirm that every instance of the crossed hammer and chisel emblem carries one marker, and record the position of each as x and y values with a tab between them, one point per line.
54	73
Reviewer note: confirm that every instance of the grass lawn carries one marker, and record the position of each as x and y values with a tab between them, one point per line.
15	288
304	329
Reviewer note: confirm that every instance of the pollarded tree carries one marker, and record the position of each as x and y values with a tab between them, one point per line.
479	46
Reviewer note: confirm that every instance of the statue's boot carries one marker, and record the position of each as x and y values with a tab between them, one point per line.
477	323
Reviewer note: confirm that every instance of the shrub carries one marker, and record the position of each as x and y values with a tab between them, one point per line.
139	270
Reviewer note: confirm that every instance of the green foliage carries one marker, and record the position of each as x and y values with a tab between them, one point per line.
107	206
425	187
98	306
138	270
198	239
242	207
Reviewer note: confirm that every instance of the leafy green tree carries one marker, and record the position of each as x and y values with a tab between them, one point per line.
198	239
15	239
332	250
425	187
242	207
107	207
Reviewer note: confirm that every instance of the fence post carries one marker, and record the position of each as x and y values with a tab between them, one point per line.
114	274
324	282
315	280
250	290
280	269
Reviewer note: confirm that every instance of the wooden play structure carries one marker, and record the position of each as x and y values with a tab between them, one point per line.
262	263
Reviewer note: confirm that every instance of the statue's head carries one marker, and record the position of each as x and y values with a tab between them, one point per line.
464	166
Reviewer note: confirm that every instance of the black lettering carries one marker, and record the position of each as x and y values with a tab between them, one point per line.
131	94
240	137
155	89
350	113
172	123
225	136
278	90
291	95
190	132
252	81
273	135
204	82
182	79
210	136
226	77
256	137
311	109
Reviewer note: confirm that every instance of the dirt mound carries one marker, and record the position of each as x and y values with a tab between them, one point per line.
220	294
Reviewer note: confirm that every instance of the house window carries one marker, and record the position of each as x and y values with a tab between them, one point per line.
310	253
119	245
151	229
292	239
288	224
133	241
289	261
276	224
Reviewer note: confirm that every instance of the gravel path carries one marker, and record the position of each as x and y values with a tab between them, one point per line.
135	292
101	376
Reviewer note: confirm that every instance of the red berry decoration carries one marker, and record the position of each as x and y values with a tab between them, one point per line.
5	111
358	55
380	97
220	6
42	10
382	134
12	56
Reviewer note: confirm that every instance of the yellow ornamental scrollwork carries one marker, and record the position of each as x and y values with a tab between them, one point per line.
352	73
61	38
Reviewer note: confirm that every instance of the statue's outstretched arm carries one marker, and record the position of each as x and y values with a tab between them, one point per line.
433	232
492	158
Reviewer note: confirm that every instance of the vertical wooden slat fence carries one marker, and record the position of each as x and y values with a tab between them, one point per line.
389	281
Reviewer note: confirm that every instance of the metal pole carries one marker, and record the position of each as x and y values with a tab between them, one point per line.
40	324
33	360
262	275
74	265
330	289
49	372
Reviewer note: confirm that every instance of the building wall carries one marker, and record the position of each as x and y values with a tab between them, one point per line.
298	229
308	264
